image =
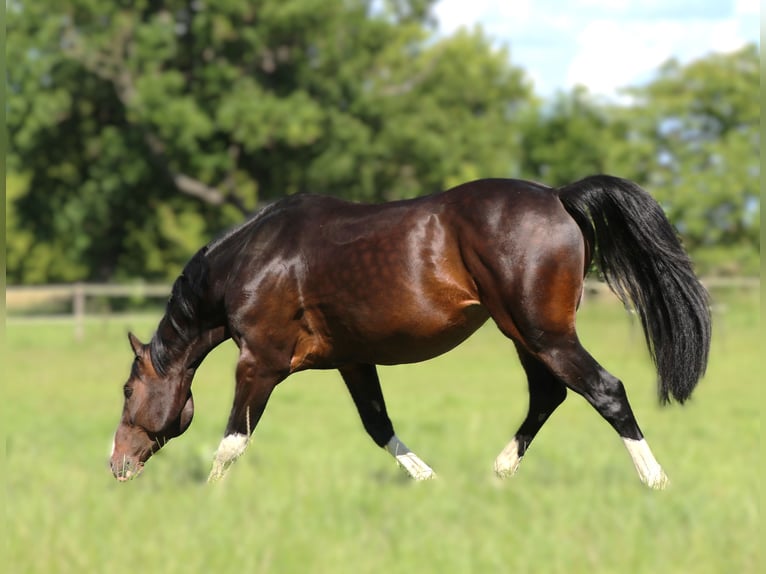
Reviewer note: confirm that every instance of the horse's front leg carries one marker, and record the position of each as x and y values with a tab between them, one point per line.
254	386
363	384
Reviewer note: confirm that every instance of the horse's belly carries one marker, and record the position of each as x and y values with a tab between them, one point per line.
415	338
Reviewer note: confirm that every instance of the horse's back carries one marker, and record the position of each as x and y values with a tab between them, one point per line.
496	204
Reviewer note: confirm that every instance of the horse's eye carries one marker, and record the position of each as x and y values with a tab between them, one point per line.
127	391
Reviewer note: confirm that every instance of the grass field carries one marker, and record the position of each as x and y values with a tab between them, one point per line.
313	494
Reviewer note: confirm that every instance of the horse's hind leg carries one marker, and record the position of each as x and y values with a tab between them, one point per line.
570	362
363	384
538	313
546	392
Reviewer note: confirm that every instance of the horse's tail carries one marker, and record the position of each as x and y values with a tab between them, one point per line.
642	260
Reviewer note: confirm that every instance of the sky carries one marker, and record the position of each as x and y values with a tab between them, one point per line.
604	44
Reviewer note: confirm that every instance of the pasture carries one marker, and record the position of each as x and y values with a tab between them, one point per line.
314	494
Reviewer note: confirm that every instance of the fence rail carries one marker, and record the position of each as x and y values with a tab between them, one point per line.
20	298
30	296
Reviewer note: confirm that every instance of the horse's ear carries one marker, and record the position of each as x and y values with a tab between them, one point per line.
136	345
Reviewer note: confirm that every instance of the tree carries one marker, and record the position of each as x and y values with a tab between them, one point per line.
567	138
141	128
690	136
703	122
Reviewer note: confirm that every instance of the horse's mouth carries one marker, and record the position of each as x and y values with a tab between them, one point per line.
127	471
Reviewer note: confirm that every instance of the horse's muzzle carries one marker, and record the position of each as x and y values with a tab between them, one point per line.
125	469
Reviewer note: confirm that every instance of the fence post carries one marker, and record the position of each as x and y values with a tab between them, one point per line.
78	309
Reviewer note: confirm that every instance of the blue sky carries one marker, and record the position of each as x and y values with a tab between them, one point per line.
604	44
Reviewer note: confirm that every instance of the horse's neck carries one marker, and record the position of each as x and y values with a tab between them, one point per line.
206	342
184	341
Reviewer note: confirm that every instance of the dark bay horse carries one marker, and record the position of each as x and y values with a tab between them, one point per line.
318	283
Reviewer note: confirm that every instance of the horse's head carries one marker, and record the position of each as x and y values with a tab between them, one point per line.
157	408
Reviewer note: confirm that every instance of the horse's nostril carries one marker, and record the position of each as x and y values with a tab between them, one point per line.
125	469
121	468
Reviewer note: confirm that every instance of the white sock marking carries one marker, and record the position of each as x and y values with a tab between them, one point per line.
414	466
649	470
230	449
508	461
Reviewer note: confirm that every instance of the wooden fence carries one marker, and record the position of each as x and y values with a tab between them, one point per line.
75	295
27	298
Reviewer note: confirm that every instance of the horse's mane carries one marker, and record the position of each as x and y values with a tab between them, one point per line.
181	322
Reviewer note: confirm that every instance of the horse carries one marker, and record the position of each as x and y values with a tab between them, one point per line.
315	282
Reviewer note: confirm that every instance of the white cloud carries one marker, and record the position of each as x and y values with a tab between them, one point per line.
604	44
611	54
747	7
496	17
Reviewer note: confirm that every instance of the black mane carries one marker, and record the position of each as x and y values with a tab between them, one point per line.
182	321
183	318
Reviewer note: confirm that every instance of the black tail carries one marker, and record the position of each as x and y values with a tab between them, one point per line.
643	262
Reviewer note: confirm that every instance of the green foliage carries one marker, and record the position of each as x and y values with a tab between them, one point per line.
141	125
567	139
691	137
704	122
139	130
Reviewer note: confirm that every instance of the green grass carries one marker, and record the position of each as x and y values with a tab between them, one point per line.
313	493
